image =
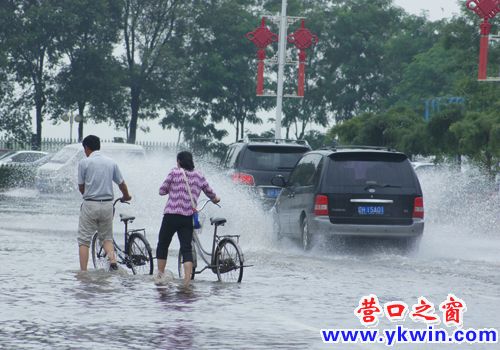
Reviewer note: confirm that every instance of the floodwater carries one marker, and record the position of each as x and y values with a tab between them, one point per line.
286	297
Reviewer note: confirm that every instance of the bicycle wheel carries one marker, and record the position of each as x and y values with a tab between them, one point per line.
180	266
140	255
99	256
229	261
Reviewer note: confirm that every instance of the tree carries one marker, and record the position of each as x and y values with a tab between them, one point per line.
221	64
152	33
442	141
198	134
399	128
316	139
477	135
354	71
89	30
31	28
15	119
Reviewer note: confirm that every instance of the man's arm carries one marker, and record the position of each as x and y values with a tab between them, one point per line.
124	189
81	177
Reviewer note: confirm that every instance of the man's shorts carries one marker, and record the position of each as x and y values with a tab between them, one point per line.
95	217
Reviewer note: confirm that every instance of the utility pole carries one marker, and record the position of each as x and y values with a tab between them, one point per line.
281	67
263	37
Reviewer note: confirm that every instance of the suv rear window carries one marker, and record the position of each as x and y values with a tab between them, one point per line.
353	169
272	157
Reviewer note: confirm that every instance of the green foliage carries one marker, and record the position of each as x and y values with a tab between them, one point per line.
30	36
316	139
92	76
443	141
189	64
222	67
477	136
398	128
198	134
153	33
15	119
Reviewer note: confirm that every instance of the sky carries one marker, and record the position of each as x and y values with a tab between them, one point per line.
434	9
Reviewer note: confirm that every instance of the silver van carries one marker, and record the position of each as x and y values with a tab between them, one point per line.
60	173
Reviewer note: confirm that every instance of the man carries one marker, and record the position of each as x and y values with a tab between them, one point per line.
96	174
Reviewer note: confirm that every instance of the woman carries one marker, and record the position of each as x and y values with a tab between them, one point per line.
178	213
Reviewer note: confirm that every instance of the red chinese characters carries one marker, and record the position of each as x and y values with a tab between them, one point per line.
424	312
369	310
396	310
453	309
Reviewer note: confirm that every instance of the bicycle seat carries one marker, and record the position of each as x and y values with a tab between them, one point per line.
126	218
217	221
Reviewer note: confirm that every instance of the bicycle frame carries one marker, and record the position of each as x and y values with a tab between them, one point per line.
203	253
128	254
124	258
209	257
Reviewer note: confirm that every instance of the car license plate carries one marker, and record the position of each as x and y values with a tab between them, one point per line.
273	192
371	210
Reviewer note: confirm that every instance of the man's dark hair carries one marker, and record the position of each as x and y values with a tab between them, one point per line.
185	160
92	142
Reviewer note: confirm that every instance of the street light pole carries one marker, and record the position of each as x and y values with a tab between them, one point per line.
71	118
281	67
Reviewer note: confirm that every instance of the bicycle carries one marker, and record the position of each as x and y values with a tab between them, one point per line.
136	253
225	259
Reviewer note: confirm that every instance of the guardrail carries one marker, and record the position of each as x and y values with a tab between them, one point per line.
52	145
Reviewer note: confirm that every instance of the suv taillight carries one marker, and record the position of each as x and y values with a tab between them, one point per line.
243	179
321	205
418	208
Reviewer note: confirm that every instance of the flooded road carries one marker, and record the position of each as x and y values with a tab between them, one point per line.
286	297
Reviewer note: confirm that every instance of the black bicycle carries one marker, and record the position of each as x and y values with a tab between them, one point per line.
136	254
225	258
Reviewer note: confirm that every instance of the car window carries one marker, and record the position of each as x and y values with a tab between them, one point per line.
27	157
361	169
232	156
272	157
227	156
305	172
319	169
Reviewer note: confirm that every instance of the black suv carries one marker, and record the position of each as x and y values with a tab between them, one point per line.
356	191
254	162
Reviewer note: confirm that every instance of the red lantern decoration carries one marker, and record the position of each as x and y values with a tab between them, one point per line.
303	39
486	9
261	37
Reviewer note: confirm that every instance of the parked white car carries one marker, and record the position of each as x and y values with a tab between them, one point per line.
22	157
60	173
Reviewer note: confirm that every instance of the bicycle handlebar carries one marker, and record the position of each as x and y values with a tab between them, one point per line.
205	202
119	200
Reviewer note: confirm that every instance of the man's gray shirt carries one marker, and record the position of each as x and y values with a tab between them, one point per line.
97	172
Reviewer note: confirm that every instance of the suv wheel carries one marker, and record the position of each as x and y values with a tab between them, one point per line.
306	235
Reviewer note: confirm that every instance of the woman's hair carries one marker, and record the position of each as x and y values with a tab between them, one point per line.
185	160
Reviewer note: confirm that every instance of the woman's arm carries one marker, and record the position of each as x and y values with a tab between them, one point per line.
208	190
165	186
